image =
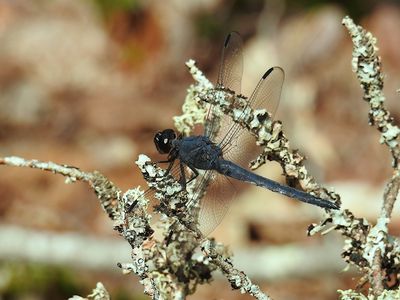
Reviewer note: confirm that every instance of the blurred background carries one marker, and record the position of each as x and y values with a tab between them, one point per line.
88	83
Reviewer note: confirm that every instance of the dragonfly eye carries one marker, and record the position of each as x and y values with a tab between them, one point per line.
163	140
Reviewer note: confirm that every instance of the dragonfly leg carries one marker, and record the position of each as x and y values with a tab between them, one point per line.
171	163
182	179
195	174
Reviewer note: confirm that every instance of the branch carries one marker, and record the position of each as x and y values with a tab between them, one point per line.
238	279
367	65
167	267
105	190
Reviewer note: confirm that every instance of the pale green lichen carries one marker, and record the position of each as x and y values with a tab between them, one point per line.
194	111
353	295
98	293
377	249
376	240
392	132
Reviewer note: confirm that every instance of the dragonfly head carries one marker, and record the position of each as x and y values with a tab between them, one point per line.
163	140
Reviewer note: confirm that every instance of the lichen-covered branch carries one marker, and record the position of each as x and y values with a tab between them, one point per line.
105	190
383	256
169	268
238	280
164	266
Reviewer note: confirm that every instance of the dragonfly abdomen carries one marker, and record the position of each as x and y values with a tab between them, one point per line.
232	170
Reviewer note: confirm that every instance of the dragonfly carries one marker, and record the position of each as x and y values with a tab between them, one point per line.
216	157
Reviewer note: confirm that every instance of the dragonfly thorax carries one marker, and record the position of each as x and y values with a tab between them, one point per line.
198	152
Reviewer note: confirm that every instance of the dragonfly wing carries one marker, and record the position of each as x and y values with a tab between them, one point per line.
213	190
219	193
231	68
266	95
215	193
229	79
268	91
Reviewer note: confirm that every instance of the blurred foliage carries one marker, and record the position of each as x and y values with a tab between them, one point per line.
38	281
108	7
355	8
215	24
22	280
133	26
208	26
229	14
133	54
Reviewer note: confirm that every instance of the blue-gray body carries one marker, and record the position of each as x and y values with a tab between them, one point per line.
198	152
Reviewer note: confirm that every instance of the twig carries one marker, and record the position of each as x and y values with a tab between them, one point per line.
106	191
390	195
238	280
376	273
367	65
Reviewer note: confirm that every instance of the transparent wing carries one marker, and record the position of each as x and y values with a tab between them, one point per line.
229	79
236	143
267	93
215	193
231	67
